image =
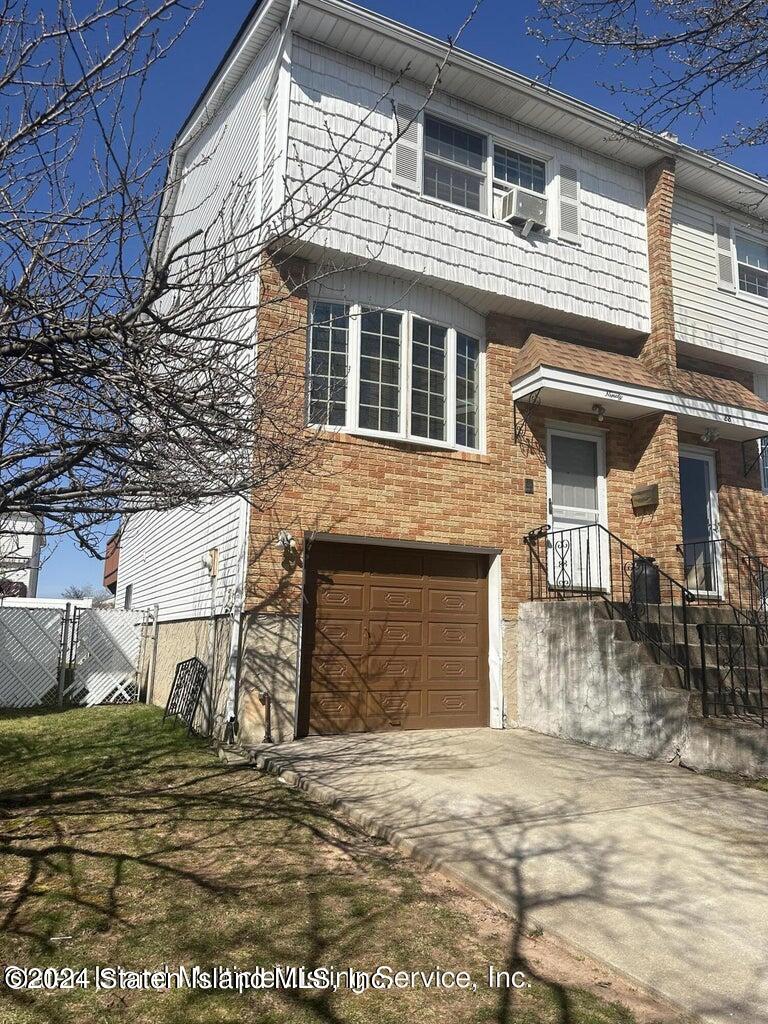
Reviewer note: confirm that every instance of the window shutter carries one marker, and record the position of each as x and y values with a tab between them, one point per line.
570	227
725	275
406	158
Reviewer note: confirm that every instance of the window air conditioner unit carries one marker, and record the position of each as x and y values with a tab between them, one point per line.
520	206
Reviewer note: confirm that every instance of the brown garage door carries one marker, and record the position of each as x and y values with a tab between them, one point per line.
394	638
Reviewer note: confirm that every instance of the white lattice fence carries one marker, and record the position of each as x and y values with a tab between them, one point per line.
107	650
92	653
30	646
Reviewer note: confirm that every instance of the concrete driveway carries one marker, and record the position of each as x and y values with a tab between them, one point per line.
658	872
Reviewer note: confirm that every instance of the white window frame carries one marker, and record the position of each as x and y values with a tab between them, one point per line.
760	386
480	174
750	236
406	343
492	139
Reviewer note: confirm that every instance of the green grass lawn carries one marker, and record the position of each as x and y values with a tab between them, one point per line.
123	842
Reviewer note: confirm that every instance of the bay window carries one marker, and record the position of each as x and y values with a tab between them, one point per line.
428	380
395	374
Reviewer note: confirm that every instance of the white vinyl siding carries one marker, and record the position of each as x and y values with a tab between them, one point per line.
478	260
161	559
709	314
161	552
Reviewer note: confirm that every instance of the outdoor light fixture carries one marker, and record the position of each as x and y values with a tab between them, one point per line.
599	410
290	552
709	435
286	542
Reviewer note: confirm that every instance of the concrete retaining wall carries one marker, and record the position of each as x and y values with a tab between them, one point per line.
580	676
208	640
268	664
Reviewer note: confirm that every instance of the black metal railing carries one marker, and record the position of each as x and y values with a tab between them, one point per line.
590	561
723	572
733	665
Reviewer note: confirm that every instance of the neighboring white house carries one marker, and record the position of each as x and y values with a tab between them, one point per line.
21	541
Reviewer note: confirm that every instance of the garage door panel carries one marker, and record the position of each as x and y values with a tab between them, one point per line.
339	597
397	599
453	634
383	671
387	635
444	565
453	603
448	669
338	669
338	711
394	706
453	703
338	558
394	562
339	633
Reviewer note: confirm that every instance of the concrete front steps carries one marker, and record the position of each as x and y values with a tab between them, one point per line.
581	676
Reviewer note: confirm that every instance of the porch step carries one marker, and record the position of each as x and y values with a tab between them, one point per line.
694	613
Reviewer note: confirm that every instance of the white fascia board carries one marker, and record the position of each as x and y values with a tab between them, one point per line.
620	397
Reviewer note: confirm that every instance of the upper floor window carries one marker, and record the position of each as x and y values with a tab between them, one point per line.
475	171
403	376
518	169
454	164
752	262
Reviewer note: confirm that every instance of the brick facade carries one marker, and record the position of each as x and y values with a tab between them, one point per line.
659	352
395	491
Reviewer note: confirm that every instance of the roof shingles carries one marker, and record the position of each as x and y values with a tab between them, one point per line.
562	355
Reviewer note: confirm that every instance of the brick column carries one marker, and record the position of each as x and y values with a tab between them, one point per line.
659	352
659	529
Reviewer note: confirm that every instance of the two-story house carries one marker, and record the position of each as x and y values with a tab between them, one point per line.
538	316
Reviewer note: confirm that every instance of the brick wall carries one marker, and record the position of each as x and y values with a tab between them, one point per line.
659	351
396	491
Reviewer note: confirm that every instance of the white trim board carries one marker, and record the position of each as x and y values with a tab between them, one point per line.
565	389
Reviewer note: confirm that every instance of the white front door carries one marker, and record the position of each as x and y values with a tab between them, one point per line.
701	522
577	552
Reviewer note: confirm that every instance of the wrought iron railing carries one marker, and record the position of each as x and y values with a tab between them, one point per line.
733	665
723	572
590	561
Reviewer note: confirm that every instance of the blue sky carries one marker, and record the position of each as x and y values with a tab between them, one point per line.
497	32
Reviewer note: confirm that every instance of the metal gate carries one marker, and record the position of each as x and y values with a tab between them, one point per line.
65	657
